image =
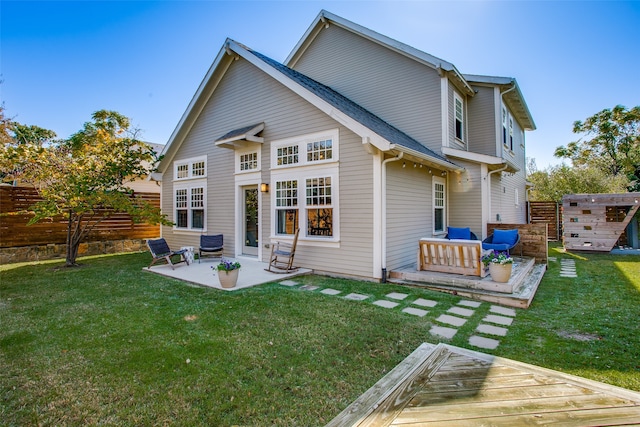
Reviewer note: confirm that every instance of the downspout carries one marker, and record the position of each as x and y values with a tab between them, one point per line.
489	186
383	199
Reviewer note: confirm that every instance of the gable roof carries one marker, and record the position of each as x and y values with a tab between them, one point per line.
325	18
463	81
511	91
367	125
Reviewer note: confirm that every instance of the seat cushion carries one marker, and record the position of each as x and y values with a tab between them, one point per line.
501	247
508	237
459	233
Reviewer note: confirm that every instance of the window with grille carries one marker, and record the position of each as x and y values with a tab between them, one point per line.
439	205
319	207
190	168
459	117
286	207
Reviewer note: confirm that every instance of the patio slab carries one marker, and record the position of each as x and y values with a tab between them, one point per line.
252	273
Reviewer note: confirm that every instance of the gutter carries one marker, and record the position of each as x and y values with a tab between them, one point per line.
383	242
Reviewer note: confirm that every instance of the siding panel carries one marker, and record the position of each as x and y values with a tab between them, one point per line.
406	95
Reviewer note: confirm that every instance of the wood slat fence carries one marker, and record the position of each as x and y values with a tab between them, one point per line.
550	213
14	231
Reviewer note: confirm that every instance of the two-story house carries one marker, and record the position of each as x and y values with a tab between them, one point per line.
363	143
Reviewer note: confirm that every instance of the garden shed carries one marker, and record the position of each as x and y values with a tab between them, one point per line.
595	222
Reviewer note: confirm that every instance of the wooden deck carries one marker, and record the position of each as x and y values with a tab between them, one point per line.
449	386
517	292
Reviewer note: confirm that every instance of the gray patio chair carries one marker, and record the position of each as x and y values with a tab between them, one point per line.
160	250
211	244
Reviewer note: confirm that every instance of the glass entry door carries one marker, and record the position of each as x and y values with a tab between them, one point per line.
250	215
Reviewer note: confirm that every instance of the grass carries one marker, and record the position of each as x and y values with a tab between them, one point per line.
110	344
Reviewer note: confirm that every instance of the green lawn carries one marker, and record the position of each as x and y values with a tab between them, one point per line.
107	343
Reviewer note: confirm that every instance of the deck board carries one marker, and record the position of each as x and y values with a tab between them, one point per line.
445	385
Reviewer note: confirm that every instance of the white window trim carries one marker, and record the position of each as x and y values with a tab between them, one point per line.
457	97
200	183
439	180
190	162
516	197
301	142
238	153
301	175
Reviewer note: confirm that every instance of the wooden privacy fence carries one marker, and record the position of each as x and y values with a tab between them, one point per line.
14	231
547	212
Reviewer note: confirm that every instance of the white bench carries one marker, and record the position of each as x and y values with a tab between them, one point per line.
451	256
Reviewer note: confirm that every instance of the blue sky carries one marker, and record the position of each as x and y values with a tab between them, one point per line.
61	61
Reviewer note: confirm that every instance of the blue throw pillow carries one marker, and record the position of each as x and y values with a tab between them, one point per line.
509	237
459	233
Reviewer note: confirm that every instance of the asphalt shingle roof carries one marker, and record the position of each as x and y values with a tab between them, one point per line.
353	110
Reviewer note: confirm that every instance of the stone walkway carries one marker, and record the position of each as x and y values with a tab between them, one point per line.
488	330
486	334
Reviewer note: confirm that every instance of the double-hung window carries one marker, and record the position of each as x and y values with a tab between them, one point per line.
439	205
458	116
190	190
505	118
304	172
511	133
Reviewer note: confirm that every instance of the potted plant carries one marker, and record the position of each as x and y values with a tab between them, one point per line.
500	265
227	272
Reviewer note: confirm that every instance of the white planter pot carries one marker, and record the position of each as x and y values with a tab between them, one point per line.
500	272
228	279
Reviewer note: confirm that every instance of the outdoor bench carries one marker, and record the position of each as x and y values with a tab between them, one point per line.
451	256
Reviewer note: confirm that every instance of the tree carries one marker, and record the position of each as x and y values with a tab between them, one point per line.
612	144
85	177
556	181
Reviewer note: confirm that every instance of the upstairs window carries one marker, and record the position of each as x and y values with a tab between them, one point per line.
511	133
287	155
505	117
458	116
190	168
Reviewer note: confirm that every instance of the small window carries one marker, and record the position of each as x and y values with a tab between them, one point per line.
319	150
516	197
505	118
459	117
287	155
248	161
511	133
191	168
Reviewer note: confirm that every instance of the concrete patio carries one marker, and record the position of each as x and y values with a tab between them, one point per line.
252	273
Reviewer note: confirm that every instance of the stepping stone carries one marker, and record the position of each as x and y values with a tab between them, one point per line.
466	303
482	342
503	310
460	311
425	302
442	331
397	295
289	283
384	303
330	291
500	320
492	330
415	311
356	297
308	287
552	258
451	320
568	275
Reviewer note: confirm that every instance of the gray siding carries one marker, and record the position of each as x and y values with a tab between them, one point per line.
401	91
465	198
245	96
503	188
482	121
409	212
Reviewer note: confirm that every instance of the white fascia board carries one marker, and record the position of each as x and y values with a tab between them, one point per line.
191	113
472	157
446	165
340	117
